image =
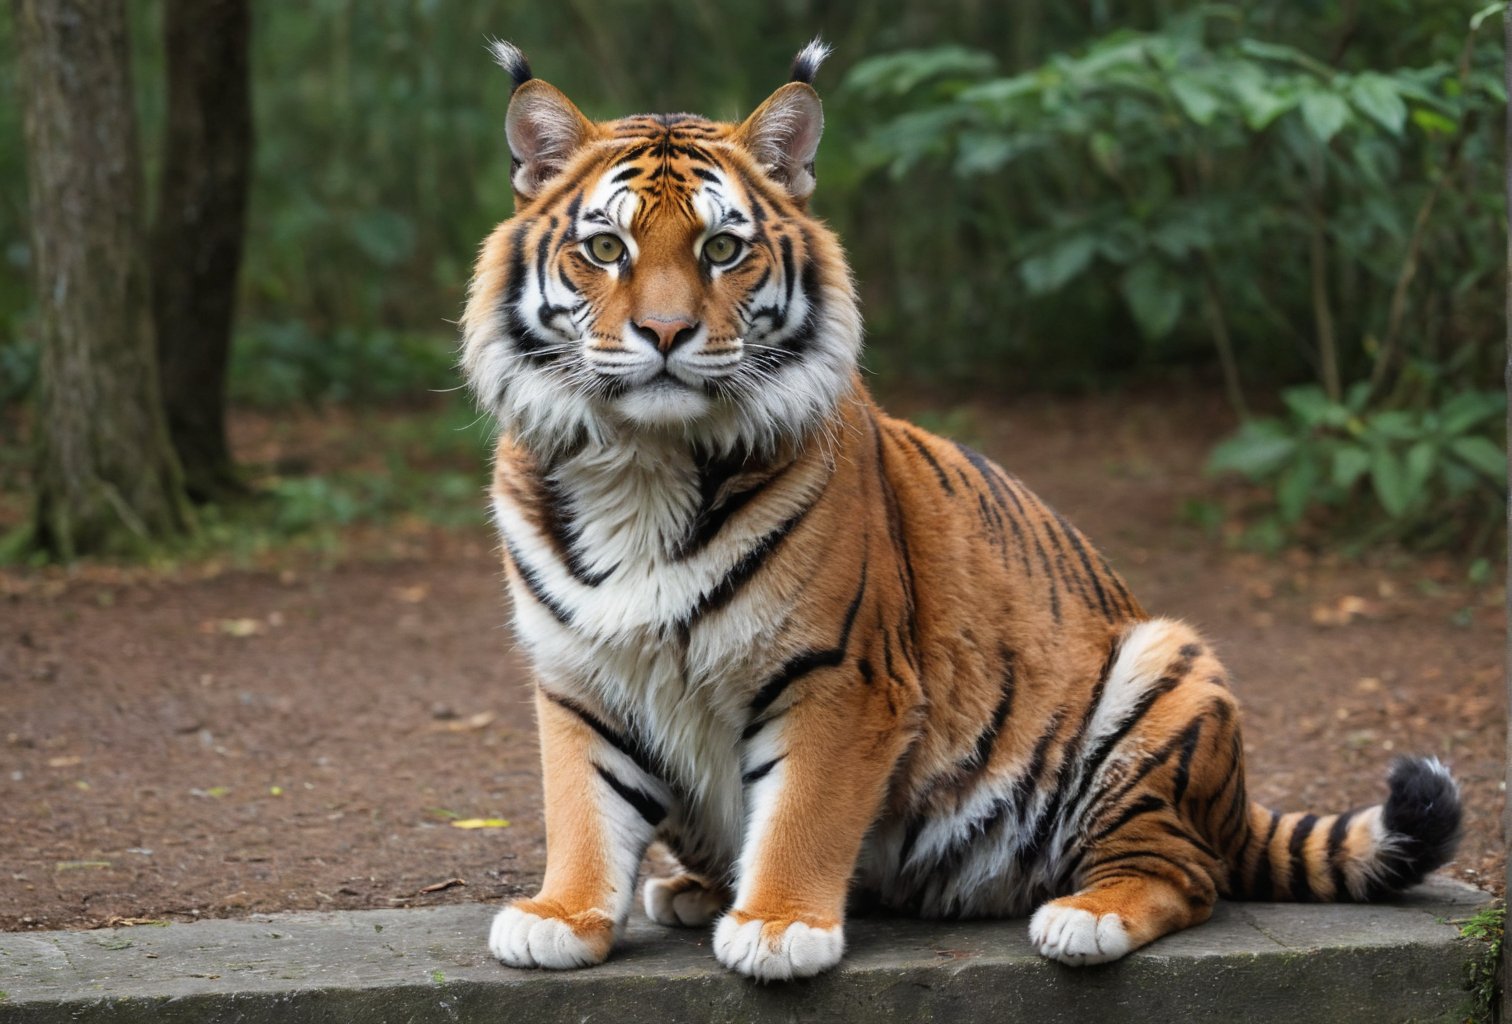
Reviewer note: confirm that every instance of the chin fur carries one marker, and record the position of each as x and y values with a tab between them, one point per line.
663	405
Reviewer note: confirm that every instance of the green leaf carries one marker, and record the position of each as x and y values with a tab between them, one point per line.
1063	260
1349	464
1295	489
1325	114
1309	405
1376	96
1390	482
1479	17
1465	410
1421	458
1394	425
1434	123
1194	98
1482	454
1257	450
1261	101
1154	296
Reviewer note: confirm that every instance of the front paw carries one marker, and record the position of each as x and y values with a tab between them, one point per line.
685	901
537	933
776	950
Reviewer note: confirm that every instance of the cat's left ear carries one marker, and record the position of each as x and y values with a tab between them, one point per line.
783	133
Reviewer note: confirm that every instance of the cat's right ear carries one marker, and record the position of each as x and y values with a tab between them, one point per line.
545	129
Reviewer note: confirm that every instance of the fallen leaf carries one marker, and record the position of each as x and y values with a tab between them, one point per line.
472	723
481	823
133	922
79	865
64	762
450	883
241	627
413	595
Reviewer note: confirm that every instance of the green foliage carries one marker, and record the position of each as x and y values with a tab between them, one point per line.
1487	926
1418	475
1216	181
1207	180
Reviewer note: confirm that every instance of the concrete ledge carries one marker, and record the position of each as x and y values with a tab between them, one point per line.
1254	963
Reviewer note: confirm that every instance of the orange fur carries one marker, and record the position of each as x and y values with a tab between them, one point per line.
935	688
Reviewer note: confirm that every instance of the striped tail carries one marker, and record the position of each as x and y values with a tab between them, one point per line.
1363	854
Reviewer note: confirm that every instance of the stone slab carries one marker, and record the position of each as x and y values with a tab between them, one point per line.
1403	961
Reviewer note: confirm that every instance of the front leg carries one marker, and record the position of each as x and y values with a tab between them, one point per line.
602	806
815	778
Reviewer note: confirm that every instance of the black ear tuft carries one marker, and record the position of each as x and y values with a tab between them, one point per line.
512	59
806	64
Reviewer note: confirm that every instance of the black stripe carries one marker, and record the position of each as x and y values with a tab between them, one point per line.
1301	890
983	749
537	589
1185	835
760	771
789	276
1336	837
1262	886
561	527
801	665
1145	854
1081	551
638	752
646	805
1146	804
1189	740
928	457
748	566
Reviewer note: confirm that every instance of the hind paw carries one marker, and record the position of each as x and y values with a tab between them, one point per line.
685	901
1076	937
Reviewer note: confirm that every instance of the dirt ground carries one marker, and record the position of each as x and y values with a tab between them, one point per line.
203	742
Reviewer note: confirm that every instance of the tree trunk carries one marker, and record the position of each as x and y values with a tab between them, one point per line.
197	238
106	476
1504	974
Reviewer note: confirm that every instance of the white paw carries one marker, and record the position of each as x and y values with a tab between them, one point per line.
522	939
680	902
1078	937
757	950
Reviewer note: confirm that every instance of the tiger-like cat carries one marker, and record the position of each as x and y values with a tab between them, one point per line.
816	650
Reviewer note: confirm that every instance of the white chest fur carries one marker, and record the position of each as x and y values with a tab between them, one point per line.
620	625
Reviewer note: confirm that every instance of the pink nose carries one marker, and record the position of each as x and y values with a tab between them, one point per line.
667	332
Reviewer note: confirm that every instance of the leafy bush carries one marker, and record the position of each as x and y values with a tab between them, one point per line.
1211	181
1428	476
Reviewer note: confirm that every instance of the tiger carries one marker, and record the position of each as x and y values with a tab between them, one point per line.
825	658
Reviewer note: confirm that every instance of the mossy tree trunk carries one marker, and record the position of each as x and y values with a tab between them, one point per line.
196	245
106	478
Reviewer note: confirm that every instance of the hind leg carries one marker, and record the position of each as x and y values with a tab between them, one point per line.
686	900
1110	918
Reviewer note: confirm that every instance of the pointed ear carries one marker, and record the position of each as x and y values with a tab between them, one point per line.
544	129
783	135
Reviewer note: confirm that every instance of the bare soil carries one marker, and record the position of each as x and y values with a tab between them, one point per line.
207	742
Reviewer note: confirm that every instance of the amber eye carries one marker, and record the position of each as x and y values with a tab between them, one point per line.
606	248
722	249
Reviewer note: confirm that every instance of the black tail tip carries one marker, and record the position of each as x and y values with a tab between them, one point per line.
1423	816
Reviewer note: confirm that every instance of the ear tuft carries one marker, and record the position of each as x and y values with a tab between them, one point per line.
806	64
783	136
512	59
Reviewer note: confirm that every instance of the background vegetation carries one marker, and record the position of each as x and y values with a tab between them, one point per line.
1297	201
